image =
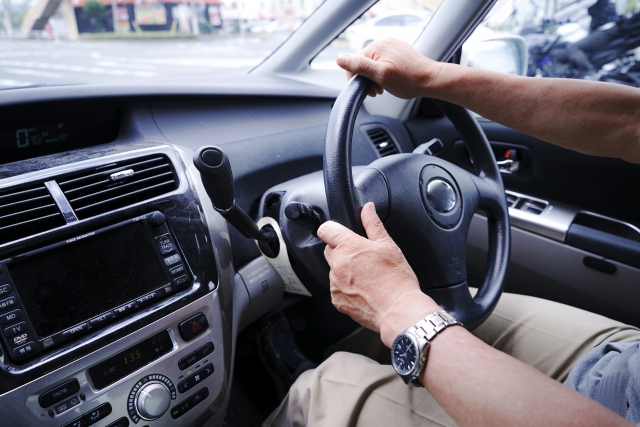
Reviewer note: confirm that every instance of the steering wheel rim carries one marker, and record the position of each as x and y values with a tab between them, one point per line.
484	190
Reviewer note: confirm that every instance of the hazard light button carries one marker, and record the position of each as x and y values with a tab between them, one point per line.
193	326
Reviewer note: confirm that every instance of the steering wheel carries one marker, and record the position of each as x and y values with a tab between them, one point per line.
429	206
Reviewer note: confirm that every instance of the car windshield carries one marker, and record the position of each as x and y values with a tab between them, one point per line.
53	42
404	20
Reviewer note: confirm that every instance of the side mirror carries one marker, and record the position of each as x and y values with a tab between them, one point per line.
507	54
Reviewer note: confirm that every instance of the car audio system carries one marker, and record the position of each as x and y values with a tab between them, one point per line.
61	291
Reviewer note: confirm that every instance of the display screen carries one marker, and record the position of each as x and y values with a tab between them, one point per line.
130	360
73	282
24	134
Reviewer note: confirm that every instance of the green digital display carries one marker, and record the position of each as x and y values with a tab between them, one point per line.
33	137
32	131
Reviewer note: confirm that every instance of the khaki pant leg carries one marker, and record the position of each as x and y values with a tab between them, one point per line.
352	390
548	335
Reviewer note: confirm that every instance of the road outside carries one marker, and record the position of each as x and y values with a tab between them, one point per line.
26	63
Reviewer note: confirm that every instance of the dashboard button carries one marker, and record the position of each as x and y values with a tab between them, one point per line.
123	309
188	360
100	319
181	281
151	296
5	290
58	393
13	330
205	350
122	422
78	422
165	244
76	330
193	326
66	405
177	269
97	414
8	303
23	350
199	396
185	406
195	378
173	259
10	316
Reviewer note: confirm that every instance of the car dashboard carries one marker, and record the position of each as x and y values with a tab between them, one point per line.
120	298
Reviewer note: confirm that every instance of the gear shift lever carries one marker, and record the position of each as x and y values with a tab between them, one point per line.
217	178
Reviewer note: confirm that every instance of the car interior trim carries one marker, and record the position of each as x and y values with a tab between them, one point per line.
61	201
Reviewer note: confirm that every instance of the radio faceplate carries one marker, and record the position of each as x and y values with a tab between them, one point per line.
61	291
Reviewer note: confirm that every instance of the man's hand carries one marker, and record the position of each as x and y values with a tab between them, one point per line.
394	65
371	280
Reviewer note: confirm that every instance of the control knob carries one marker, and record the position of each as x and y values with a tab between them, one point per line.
152	400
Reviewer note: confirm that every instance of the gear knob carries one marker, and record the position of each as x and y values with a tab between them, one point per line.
217	176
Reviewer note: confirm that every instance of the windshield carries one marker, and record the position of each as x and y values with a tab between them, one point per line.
401	19
53	42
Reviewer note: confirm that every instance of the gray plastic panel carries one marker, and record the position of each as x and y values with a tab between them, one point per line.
548	269
265	288
218	121
200	85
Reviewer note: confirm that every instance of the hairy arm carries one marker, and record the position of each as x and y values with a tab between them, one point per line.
475	384
596	118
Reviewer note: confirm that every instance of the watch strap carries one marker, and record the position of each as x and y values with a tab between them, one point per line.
429	327
426	330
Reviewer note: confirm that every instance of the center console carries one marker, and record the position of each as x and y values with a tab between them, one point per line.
118	311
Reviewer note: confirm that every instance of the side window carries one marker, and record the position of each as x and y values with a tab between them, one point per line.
578	39
403	20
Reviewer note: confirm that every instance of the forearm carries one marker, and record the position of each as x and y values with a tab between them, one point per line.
480	386
595	118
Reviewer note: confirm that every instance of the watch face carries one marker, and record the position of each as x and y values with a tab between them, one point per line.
404	354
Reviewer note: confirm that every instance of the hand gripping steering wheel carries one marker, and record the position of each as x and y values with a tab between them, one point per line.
430	205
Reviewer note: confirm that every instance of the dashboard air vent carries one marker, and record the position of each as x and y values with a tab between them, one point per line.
383	142
27	211
113	186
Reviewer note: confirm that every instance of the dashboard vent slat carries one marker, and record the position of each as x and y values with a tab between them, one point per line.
382	141
94	192
27	211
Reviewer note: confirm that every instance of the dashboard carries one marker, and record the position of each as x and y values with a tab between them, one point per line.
121	297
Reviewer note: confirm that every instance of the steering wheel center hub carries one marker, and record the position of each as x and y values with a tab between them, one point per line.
441	195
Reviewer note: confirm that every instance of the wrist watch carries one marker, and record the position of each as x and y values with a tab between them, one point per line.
409	349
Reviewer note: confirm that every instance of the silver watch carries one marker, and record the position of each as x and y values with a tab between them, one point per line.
409	349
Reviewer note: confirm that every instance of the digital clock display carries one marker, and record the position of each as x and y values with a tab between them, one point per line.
130	360
56	130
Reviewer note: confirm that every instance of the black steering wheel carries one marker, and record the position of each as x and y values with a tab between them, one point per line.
429	204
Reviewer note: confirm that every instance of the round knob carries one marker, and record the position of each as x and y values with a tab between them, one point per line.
153	400
157	219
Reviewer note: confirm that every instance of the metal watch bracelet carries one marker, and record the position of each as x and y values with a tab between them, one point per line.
432	324
426	330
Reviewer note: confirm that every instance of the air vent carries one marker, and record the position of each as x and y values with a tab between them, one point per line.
27	211
109	187
383	142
